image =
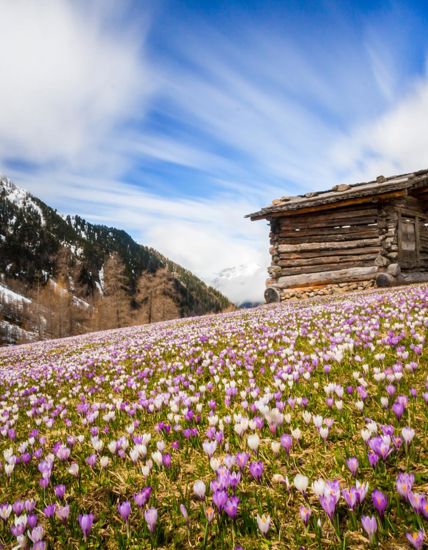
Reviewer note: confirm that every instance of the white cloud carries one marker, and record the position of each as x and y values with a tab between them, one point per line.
69	77
395	142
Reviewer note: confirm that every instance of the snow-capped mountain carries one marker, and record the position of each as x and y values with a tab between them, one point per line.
243	284
40	248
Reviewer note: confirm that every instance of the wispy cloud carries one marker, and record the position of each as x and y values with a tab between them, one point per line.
70	79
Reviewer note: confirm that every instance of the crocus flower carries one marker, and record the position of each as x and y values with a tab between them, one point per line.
86	521
416	539
231	507
351	497
328	502
380	501
369	525
220	498
408	434
49	511
143	496
124	509
242	459
36	534
184	513
404	483
151	517
256	469
209	513
263	523
286	442
62	512
5	511
416	501
253	442
301	483
352	464
32	521
199	489
60	491
305	514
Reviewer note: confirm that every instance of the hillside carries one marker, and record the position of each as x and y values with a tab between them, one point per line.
41	250
286	426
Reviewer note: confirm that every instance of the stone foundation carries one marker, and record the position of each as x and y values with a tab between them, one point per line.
324	290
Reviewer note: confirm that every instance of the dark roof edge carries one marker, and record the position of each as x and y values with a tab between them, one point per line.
354	191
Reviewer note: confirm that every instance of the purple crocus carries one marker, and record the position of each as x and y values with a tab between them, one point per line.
256	469
124	509
143	496
231	507
416	539
220	498
62	512
166	460
86	521
328	502
404	483
151	517
398	409
305	514
60	491
380	501
369	525
286	442
242	459
18	507
49	511
351	497
352	464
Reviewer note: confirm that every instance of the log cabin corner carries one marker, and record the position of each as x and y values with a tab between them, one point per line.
350	237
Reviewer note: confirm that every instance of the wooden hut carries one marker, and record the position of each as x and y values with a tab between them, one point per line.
348	238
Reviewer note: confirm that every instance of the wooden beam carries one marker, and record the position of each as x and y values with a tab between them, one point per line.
304	247
385	280
332	266
373	199
324	260
327	277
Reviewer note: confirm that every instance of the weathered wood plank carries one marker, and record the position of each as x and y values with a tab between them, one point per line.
334	235
331	221
327	277
325	268
319	253
327	245
339	214
309	230
325	260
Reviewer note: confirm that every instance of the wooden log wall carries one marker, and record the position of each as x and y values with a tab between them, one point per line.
337	245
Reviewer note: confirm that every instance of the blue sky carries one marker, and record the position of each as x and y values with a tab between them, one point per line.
174	119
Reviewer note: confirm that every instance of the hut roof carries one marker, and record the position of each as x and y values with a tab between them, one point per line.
345	194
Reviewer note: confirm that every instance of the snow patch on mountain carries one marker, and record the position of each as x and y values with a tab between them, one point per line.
20	197
242	284
9	296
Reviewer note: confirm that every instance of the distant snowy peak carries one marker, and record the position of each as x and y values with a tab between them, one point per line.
243	284
239	271
19	197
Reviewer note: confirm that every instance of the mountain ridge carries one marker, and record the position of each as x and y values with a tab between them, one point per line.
37	245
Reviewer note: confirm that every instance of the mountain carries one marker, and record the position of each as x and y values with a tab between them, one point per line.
243	283
47	259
